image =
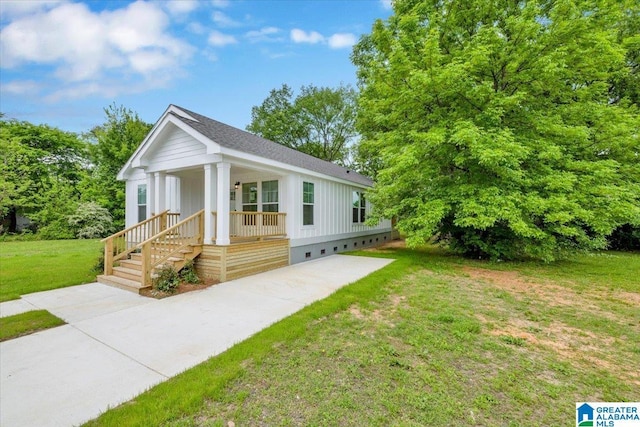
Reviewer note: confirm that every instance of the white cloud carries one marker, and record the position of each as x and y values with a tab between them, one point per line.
335	41
180	7
196	28
341	40
224	20
216	38
301	36
221	4
21	87
16	8
266	34
87	48
386	4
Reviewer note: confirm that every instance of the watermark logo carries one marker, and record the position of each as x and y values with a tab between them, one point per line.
608	414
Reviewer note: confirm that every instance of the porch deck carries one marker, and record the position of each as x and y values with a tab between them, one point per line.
257	243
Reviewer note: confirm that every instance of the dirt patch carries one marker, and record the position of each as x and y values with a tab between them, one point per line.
580	346
182	288
378	315
544	290
628	297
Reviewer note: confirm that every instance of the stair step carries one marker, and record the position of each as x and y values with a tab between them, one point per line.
119	282
132	264
128	273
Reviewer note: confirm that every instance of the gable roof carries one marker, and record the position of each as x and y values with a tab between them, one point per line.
246	142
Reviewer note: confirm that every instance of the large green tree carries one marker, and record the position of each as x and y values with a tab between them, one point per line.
501	126
40	173
319	121
112	143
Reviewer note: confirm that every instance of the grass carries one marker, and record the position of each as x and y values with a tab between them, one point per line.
430	339
34	266
27	323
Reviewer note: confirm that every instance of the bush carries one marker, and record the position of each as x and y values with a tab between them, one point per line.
91	221
166	279
188	273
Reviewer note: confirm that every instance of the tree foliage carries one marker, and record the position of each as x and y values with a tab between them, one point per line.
113	143
90	221
319	121
42	168
505	128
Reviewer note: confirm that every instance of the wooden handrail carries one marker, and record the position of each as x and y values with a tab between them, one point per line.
169	242
122	243
126	230
171	229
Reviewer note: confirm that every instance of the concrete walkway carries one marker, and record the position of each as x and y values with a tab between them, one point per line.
118	344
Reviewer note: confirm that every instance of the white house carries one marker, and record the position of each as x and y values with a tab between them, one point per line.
250	203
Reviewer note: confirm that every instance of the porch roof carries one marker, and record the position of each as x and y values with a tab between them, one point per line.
237	139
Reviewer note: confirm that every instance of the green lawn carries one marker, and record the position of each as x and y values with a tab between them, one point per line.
27	323
34	266
429	340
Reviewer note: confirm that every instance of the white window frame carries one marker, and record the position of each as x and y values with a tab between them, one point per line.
272	202
142	205
358	207
306	202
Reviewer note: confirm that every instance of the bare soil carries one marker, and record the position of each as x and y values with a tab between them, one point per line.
182	288
575	345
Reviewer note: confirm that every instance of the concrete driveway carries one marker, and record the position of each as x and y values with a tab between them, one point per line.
118	344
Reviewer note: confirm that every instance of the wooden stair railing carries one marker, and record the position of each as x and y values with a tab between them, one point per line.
172	242
122	243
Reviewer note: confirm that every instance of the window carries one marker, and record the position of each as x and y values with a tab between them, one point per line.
270	196
307	203
359	207
250	197
232	200
142	202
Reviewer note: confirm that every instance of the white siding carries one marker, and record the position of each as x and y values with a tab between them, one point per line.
176	147
332	213
191	194
131	198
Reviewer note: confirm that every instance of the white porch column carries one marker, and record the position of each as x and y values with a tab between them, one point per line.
209	204
151	205
222	221
292	204
160	188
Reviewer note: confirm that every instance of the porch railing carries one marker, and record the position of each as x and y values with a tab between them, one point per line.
170	242
257	224
172	219
254	225
122	243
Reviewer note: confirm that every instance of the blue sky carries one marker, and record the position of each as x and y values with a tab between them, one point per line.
62	62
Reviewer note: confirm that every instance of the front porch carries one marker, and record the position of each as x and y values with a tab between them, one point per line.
257	242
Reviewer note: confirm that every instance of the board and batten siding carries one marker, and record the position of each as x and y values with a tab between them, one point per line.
172	196
176	149
332	213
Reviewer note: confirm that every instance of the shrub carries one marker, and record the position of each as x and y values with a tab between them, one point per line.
166	279
91	221
188	273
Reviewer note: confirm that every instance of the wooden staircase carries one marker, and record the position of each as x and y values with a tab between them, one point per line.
128	275
131	265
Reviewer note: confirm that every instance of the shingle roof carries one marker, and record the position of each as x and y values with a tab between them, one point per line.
237	139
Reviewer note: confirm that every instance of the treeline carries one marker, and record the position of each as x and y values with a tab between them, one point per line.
60	185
